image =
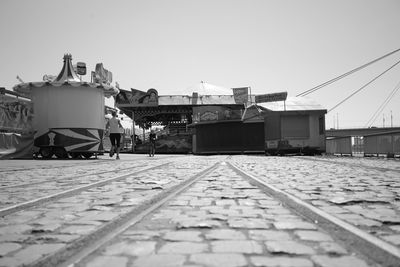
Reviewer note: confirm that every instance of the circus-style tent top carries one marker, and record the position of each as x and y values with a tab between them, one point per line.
67	76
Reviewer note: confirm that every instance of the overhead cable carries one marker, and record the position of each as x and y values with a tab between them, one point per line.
368	83
382	106
346	74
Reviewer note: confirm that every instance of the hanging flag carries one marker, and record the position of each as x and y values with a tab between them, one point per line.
241	95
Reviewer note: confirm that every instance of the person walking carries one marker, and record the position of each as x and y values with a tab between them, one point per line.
114	125
152	139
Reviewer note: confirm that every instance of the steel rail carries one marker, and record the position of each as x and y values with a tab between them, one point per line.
73	253
53	179
49	167
347	164
69	192
367	244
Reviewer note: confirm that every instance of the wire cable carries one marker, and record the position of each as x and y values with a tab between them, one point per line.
309	91
368	83
382	106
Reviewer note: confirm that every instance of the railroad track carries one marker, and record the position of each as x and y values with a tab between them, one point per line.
59	191
63	164
221	215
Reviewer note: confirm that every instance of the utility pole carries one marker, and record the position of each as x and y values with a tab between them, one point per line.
334	121
391	119
337	120
383	115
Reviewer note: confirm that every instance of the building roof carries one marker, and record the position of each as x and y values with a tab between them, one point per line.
292	104
205	88
171	100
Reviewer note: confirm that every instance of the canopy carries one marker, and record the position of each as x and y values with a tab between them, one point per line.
67	76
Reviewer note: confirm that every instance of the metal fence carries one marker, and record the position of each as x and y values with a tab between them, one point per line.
339	145
383	144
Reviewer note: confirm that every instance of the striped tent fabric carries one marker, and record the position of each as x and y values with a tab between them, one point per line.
67	73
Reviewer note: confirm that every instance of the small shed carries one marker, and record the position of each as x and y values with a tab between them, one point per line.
296	125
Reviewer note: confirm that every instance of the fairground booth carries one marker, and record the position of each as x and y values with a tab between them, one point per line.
225	121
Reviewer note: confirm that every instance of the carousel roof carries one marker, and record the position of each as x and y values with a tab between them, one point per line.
67	76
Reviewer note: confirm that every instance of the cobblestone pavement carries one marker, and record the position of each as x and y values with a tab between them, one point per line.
27	235
222	220
368	198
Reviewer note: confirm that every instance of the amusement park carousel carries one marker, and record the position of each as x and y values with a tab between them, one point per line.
69	114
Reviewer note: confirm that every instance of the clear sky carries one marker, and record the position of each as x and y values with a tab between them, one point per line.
171	45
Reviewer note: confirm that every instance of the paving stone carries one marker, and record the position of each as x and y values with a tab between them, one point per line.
190	236
104	216
269	202
107	261
138	248
269	235
165	260
289	247
394	239
78	229
142	235
236	246
183	248
280	262
218	260
10	262
168	213
8	247
278	210
395	228
15	229
200	202
194	223
364	222
247	202
283	217
196	213
235	196
313	236
13	238
224	234
292	225
344	261
178	203
384	218
57	238
45	228
217	217
333	248
35	252
249	223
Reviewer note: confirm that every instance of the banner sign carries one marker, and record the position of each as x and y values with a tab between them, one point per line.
241	95
138	98
271	97
15	114
81	68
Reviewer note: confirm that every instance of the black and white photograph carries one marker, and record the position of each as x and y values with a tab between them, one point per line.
200	133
